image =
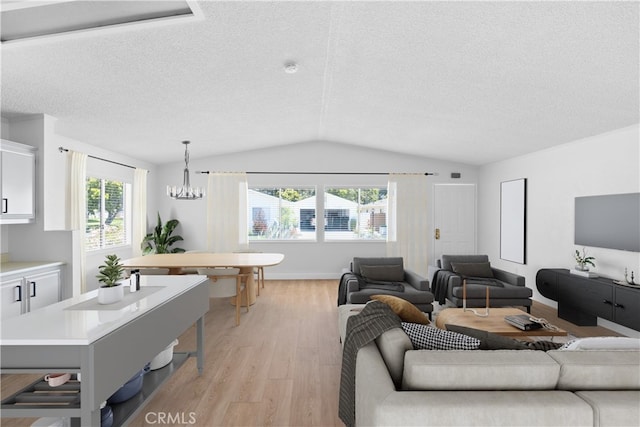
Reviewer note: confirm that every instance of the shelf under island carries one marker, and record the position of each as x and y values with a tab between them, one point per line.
106	344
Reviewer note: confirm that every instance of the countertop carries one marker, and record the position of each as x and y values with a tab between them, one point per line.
25	267
81	320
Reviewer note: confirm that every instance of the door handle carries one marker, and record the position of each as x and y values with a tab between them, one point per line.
437	234
18	298
618	306
5	205
33	289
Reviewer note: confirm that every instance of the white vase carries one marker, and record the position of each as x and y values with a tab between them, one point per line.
111	294
582	267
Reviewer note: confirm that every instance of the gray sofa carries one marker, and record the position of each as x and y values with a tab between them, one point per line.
505	288
396	385
370	276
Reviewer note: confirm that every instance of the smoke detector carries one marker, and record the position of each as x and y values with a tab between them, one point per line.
290	67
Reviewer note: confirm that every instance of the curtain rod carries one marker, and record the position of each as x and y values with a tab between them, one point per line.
61	149
326	173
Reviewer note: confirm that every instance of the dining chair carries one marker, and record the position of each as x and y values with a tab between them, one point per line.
226	283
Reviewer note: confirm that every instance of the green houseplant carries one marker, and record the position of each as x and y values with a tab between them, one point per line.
583	260
161	240
110	274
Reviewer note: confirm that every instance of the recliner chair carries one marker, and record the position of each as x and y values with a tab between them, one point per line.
384	276
505	288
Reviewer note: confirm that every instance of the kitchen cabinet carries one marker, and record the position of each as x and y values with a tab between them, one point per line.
30	288
12	296
17	182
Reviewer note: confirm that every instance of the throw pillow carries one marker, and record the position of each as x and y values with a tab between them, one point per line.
406	311
488	340
383	273
603	343
491	341
472	269
429	338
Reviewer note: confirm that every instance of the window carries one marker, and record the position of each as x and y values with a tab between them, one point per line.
282	214
108	214
355	213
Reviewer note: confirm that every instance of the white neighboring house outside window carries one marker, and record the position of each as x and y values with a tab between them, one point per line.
281	214
355	213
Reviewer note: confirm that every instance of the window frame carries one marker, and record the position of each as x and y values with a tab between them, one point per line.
253	239
329	235
127	189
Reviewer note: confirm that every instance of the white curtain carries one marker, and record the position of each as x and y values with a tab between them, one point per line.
139	210
77	209
227	212
407	220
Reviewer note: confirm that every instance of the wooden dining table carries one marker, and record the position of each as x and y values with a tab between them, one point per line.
178	262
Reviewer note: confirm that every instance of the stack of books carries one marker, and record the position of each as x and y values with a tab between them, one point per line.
523	322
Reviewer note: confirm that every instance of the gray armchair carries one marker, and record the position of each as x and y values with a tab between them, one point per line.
384	276
505	288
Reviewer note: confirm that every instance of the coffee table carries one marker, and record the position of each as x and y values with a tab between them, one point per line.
494	323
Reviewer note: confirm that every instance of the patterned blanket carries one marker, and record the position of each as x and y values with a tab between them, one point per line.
375	319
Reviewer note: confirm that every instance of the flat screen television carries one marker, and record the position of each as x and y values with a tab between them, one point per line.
609	221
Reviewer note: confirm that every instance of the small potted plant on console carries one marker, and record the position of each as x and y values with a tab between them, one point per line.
583	261
110	274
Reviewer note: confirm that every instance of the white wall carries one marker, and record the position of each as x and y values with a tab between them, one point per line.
603	164
46	239
302	259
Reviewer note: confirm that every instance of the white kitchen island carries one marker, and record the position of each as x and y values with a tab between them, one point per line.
107	344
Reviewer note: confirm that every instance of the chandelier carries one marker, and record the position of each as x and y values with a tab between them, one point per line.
185	191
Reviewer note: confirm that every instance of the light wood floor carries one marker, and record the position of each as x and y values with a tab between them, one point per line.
280	367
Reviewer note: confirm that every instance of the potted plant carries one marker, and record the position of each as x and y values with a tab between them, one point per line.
110	274
583	260
160	241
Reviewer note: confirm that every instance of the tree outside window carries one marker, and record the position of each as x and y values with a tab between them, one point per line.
108	225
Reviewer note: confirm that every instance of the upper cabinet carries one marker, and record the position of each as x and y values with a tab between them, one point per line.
18	178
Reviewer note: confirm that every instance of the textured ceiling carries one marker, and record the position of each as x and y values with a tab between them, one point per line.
473	82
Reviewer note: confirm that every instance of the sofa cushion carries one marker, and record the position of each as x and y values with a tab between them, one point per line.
392	345
598	369
360	261
613	408
430	338
406	311
499	290
472	269
448	259
383	273
479	370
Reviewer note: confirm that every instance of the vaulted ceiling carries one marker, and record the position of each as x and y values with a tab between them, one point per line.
473	82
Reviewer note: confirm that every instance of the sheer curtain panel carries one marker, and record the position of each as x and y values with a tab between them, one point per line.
76	211
407	211
227	212
139	211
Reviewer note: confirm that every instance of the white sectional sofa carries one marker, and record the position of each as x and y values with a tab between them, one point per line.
396	385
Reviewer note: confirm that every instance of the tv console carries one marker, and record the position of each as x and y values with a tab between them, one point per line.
581	300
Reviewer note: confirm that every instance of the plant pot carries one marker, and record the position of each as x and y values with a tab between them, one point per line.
164	357
580	267
111	294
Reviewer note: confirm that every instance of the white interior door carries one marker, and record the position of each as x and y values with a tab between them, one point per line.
454	219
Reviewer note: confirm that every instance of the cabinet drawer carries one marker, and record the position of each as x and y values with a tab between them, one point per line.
591	297
627	308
